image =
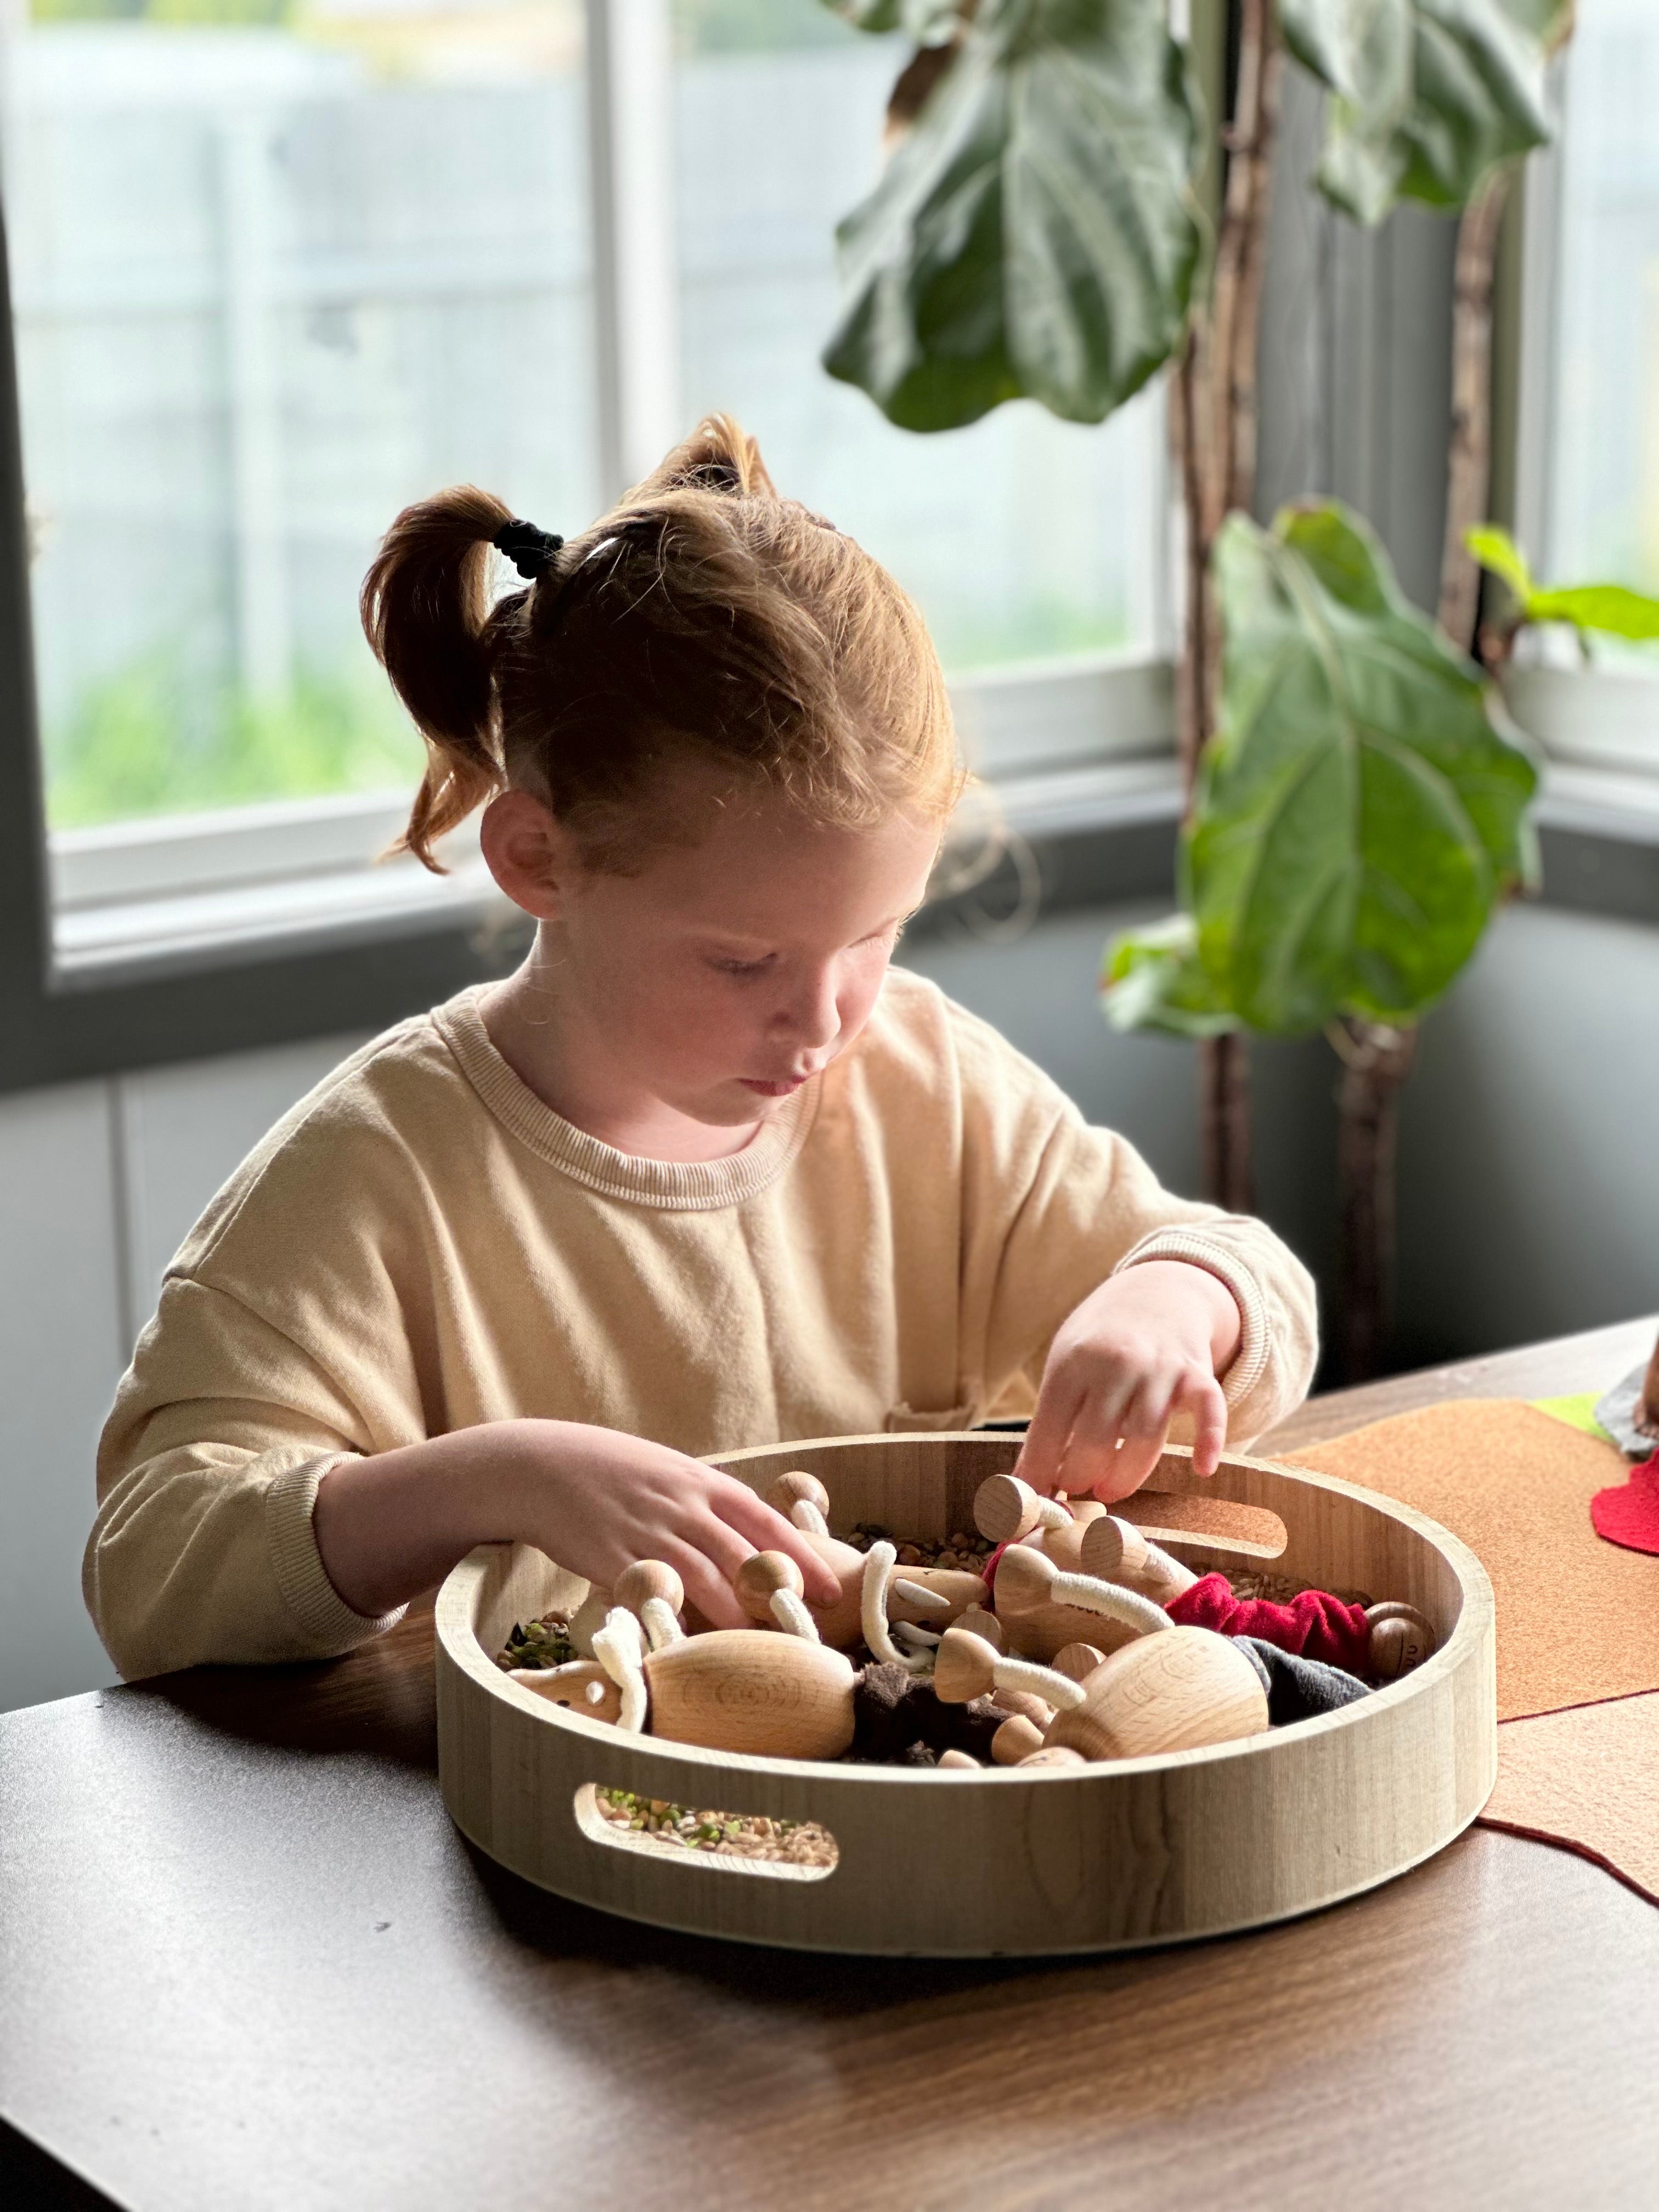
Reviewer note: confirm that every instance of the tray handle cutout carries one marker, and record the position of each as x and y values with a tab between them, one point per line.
1220	1527
676	1847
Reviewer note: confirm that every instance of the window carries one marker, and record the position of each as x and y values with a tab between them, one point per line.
1589	475
276	271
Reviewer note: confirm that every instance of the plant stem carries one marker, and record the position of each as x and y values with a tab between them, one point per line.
1224	1090
1215	407
1469	466
1376	1061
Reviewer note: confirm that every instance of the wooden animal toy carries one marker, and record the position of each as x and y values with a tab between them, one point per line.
1064	1546
803	1499
933	1597
1016	1740
769	1587
966	1667
770	1696
954	1758
1025	1703
1027	1579
656	1595
1114	1551
582	1684
1399	1639
840	1624
1164	1693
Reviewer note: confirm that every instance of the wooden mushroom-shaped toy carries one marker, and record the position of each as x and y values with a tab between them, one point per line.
1114	1551
769	1586
801	1499
655	1595
1028	1580
768	1697
1164	1693
1005	1510
966	1667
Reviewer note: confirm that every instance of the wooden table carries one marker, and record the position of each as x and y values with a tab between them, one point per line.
246	1961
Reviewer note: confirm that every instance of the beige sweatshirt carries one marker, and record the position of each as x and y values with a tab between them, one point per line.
422	1245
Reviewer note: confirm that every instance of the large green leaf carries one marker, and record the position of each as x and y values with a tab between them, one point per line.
1428	96
1361	805
1152	978
1614	609
1035	232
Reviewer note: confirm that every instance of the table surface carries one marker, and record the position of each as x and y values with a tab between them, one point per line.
246	1961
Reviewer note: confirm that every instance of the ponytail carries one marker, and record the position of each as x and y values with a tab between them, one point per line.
427	614
704	616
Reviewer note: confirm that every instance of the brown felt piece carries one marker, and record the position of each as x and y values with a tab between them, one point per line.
1578	1618
1589	1780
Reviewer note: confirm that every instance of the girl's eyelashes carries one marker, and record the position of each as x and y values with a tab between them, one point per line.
742	968
729	964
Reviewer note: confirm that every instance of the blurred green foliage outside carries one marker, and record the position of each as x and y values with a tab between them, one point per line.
150	741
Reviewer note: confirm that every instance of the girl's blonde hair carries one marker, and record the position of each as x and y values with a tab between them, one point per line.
704	617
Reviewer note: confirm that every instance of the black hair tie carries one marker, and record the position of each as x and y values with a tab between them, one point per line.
528	549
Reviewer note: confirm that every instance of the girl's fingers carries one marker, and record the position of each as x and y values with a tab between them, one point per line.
1137	1457
1058	1402
1203	1397
709	1590
766	1530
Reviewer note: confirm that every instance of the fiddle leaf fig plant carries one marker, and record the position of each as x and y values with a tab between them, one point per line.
1035	232
1359	813
1612	609
1428	96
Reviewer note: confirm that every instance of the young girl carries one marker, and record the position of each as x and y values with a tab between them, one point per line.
704	1173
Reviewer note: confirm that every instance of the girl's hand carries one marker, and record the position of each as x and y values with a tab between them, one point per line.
1147	1345
593	1500
596	1500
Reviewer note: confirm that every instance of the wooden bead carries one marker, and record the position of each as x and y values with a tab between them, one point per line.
1164	1693
965	1667
648	1578
1006	1508
957	1758
983	1624
1016	1739
1054	1754
768	1697
1400	1639
760	1575
956	1587
1078	1660
1115	1551
795	1488
573	1685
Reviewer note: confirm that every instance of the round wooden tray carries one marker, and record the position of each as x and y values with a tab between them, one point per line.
974	1863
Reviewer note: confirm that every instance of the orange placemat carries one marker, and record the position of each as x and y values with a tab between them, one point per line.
1578	1618
1589	1780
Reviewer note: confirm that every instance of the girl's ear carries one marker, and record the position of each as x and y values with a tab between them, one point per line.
531	856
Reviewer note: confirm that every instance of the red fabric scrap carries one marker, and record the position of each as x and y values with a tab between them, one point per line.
1628	1514
1314	1624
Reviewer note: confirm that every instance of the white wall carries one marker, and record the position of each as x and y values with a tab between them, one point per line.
98	1182
1529	1198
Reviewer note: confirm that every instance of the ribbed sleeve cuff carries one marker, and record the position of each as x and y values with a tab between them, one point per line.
1250	1362
326	1621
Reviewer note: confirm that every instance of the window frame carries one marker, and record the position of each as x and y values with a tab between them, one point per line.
169	957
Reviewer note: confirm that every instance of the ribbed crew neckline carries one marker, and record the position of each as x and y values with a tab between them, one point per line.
694	1186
